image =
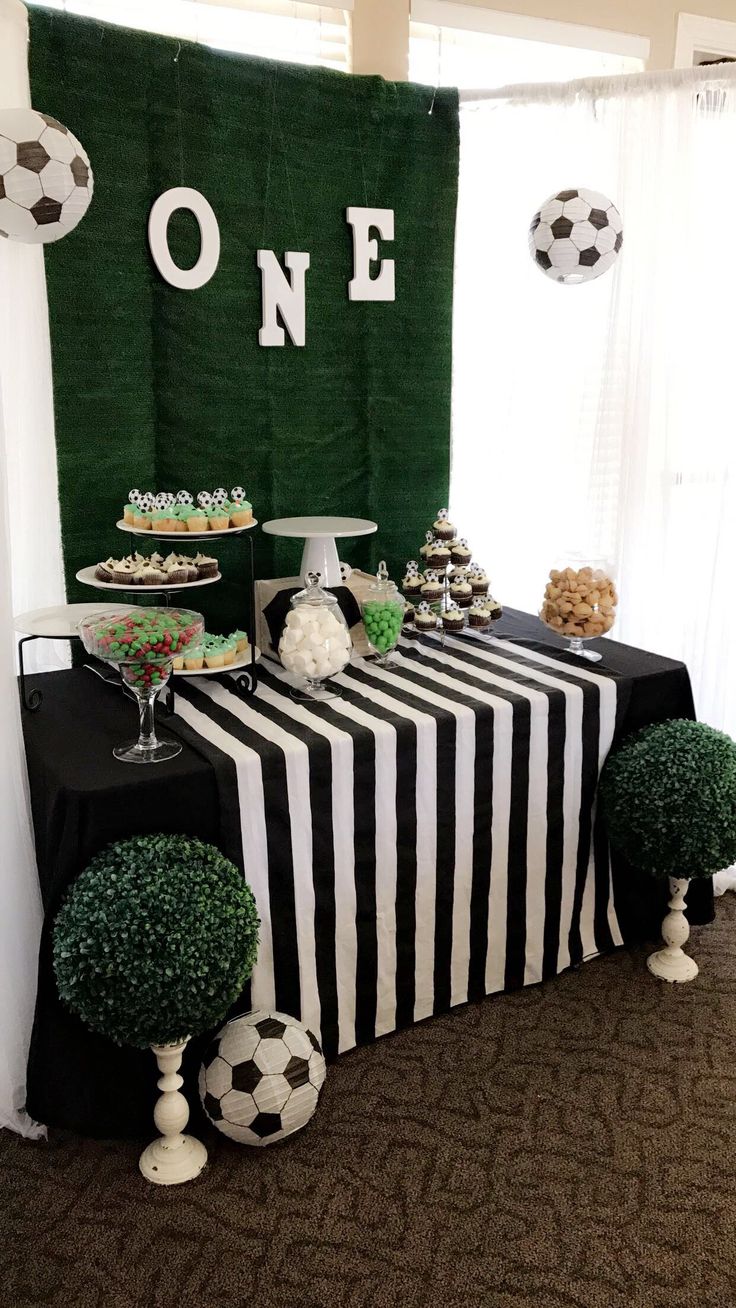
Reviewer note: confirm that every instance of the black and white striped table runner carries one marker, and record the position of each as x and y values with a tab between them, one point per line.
425	839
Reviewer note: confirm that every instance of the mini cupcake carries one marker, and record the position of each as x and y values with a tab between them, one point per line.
442	527
129	513
494	608
462	593
241	513
479	581
176	574
479	614
424	618
413	581
194	658
205	566
409	615
438	557
229	649
432	588
124	573
104	571
218	519
214	656
196	520
147	575
459	574
177	663
141	519
460	553
241	640
453	619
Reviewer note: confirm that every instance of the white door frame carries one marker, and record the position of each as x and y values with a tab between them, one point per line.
697	32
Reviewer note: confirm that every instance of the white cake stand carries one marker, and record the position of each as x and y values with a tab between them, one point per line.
320	535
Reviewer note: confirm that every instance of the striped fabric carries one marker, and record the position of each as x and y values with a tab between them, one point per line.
424	840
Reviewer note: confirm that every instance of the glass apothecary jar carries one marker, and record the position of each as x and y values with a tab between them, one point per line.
315	643
580	602
383	614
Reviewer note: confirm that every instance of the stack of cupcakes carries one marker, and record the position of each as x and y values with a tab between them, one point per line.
446	583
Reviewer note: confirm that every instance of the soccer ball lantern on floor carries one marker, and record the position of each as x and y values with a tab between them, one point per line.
45	178
261	1078
576	236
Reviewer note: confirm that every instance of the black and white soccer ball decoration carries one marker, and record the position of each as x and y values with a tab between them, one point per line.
219	497
46	180
576	236
261	1078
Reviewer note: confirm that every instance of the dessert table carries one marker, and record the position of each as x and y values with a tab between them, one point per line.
426	839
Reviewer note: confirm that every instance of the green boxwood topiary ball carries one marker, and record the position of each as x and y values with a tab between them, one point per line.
669	797
155	940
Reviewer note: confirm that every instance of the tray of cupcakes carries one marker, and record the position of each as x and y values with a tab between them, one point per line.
445	589
212	654
173	572
215	513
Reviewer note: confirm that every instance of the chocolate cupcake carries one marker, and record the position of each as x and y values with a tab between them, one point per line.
443	528
205	566
479	614
438	556
124	573
453	619
460	553
412	583
424	618
479	581
432	589
462	593
104	571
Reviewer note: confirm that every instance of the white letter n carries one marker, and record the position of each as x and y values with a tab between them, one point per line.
283	296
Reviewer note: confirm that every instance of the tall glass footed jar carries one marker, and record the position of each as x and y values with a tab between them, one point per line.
143	643
580	602
315	643
383	614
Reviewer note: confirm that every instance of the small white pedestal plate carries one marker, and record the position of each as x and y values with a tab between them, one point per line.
320	535
58	622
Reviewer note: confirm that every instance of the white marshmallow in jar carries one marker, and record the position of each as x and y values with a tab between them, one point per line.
315	643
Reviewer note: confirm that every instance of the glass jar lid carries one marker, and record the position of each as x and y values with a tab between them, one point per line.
314	594
383	587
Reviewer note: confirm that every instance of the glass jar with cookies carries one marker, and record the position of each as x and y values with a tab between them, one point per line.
580	601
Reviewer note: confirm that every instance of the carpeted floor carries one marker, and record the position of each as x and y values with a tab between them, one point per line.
569	1146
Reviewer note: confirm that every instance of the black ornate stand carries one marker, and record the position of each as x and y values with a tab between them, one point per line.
245	679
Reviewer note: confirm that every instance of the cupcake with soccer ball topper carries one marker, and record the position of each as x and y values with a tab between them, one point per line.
432	589
461	592
479	581
413	580
442	527
453	618
460	553
241	509
438	556
424	617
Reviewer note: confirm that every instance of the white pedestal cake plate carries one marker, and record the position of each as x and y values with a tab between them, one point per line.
319	535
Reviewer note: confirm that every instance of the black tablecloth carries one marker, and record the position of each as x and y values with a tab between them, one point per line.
83	798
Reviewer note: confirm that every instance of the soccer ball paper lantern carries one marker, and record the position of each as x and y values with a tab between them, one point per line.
261	1078
45	177
576	236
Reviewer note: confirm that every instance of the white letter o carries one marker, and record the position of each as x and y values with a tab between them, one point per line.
184	197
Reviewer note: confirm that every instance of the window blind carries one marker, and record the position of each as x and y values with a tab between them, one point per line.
459	45
298	31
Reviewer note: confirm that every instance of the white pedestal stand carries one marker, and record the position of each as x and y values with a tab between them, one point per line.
174	1157
320	536
671	963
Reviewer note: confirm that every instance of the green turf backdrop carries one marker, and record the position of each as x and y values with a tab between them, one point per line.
166	389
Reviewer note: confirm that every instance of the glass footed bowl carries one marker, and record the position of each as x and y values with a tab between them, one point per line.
580	601
143	642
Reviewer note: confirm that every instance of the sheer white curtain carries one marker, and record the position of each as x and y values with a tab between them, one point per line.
600	418
27	497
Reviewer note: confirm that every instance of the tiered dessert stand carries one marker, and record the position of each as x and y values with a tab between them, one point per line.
247	681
